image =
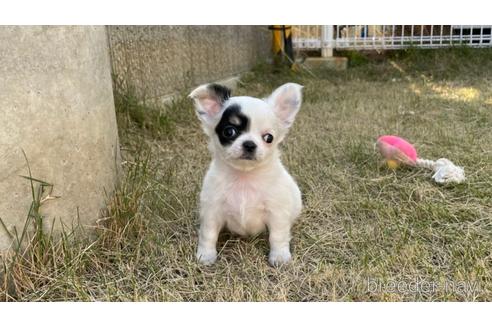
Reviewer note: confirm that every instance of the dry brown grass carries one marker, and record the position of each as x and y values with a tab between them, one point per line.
361	222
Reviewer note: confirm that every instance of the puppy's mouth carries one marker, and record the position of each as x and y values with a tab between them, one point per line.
248	157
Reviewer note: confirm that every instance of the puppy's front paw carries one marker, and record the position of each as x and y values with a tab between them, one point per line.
279	257
206	256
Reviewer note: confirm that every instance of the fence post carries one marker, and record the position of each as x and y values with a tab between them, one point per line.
327	41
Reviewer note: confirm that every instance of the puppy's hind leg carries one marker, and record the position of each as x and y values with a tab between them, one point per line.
210	226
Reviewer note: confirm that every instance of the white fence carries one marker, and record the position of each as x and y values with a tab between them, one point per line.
380	37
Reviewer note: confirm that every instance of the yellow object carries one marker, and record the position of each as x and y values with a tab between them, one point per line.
282	45
278	41
392	164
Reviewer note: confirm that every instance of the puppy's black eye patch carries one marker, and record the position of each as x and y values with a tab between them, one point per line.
231	125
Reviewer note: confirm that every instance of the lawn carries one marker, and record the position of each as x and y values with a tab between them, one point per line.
366	232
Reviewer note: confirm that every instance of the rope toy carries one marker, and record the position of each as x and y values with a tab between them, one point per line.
398	151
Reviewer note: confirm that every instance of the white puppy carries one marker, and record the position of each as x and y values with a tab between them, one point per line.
246	188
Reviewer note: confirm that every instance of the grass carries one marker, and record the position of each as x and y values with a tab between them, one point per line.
363	227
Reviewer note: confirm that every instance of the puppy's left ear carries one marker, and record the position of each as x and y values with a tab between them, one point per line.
286	101
209	99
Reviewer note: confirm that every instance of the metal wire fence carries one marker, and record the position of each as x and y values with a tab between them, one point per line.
381	37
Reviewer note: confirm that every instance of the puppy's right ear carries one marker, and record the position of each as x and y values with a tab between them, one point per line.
209	99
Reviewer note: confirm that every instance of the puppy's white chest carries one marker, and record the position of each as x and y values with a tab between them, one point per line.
244	207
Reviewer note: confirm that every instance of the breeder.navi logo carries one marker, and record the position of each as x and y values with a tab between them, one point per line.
422	286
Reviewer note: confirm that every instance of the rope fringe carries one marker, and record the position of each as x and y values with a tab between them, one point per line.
444	170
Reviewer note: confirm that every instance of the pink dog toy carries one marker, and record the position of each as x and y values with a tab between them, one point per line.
398	151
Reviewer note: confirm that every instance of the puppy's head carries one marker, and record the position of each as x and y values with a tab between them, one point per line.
245	131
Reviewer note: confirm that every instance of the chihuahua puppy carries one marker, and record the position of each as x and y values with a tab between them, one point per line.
246	188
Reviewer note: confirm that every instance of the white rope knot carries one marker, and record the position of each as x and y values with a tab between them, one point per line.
444	170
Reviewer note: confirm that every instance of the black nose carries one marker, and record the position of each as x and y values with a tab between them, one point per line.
249	146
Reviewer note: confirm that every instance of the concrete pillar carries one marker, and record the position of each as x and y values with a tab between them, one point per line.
327	41
56	104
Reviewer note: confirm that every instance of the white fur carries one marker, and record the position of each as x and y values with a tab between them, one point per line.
247	196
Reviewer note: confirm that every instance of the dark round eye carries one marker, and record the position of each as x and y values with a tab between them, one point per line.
229	132
268	138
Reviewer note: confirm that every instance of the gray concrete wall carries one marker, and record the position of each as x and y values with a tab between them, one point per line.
158	61
56	104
